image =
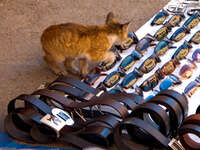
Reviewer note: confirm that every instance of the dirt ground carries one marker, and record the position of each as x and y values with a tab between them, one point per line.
22	68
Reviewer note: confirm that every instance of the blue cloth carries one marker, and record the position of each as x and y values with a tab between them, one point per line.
7	142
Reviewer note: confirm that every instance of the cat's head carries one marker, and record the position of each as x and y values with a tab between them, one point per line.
120	29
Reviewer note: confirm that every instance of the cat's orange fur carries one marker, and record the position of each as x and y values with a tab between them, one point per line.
69	42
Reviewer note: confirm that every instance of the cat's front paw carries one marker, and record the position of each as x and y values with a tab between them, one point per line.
84	73
83	76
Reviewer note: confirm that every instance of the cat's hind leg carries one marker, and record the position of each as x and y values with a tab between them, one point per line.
83	63
54	65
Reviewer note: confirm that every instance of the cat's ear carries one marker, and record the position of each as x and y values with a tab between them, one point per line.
125	26
110	18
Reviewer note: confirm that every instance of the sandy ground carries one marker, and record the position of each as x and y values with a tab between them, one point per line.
22	68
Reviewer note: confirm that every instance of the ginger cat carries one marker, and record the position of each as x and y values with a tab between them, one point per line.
70	42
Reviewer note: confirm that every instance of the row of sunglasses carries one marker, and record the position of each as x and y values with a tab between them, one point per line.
149	64
185	72
175	20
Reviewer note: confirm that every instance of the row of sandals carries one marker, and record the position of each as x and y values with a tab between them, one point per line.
71	111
